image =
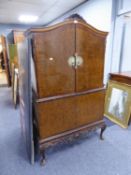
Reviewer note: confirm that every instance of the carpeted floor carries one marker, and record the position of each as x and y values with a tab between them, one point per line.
86	156
3	79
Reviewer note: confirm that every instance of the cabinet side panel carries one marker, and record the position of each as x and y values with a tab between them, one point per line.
25	97
18	36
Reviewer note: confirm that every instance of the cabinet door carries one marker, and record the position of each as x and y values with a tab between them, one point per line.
90	108
56	116
52	49
90	46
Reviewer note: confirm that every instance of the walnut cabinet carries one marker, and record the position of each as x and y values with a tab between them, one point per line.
64	72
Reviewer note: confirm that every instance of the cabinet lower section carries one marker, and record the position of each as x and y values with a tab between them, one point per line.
65	117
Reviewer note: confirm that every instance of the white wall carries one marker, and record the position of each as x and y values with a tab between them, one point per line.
121	50
5	29
95	12
126	55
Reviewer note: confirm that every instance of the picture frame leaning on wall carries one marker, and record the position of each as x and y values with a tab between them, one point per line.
118	103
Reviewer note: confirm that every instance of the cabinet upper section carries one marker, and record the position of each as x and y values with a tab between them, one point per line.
74	19
68	57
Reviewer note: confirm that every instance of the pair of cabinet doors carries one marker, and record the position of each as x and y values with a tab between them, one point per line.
68	58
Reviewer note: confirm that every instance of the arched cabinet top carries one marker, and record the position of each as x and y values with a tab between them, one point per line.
74	19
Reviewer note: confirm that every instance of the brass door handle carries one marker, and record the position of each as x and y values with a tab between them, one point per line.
71	61
79	61
75	61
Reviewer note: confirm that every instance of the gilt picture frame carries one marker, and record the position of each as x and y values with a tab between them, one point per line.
118	103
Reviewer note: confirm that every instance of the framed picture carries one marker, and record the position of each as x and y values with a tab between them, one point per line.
118	103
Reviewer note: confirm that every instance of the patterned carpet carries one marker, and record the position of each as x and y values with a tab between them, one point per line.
86	156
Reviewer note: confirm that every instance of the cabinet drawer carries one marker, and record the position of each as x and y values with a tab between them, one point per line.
56	116
60	115
90	108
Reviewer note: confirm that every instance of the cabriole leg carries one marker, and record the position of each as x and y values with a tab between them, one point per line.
102	130
43	160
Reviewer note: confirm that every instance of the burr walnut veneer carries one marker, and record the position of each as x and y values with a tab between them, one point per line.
67	64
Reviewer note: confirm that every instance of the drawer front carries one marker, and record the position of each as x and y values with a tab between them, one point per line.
57	116
90	108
